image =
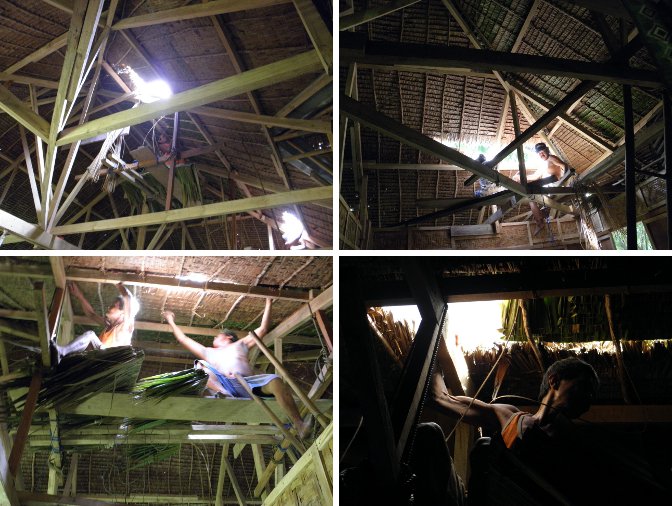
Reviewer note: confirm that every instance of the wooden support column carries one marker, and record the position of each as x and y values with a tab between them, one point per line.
350	89
325	328
667	108
70	488
519	149
630	184
419	363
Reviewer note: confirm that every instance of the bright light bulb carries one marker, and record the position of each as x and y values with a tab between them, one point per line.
196	277
291	227
153	91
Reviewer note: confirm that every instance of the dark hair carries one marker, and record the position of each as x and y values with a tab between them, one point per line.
230	333
119	301
540	147
569	368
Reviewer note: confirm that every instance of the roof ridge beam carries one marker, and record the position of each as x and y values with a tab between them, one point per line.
355	48
259	77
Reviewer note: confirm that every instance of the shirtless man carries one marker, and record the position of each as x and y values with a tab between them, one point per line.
552	173
118	322
228	357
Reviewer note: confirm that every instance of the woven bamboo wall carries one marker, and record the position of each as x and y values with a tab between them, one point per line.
310	481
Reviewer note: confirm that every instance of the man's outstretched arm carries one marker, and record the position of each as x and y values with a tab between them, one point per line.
263	328
196	348
86	305
477	413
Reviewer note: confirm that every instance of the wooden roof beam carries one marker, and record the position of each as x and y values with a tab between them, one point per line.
392	128
260	119
194	11
260	77
367	15
355	48
317	30
32	233
198	212
23	114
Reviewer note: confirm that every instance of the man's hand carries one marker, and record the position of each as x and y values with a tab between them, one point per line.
169	316
74	289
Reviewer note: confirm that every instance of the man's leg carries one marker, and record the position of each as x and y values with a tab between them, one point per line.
282	393
79	344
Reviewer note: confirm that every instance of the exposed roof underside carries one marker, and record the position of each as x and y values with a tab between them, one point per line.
254	122
206	293
429	76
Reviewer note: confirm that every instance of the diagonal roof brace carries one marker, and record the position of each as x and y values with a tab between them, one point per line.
392	128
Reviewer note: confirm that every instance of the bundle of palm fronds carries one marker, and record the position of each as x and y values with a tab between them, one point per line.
143	455
191	188
82	375
186	382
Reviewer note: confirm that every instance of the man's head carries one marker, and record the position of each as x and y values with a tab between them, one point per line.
224	338
574	384
115	313
542	150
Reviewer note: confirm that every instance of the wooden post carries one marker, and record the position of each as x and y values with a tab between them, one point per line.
325	328
171	173
667	108
24	425
630	183
279	368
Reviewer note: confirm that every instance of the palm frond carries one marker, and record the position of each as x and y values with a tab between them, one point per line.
186	382
82	375
143	455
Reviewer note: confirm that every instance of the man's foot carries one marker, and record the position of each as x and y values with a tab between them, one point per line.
303	429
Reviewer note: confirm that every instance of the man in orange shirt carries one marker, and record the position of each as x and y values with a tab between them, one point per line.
118	322
533	458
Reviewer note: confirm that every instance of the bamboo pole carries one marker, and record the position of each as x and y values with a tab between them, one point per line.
528	334
620	364
288	435
278	367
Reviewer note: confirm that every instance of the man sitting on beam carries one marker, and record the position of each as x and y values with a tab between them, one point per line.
228	356
118	322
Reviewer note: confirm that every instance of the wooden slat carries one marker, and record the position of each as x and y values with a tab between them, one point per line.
181	408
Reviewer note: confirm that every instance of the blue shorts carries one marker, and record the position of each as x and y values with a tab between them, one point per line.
235	389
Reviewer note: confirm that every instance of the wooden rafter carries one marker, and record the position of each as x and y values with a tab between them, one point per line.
260	119
23	114
364	16
317	31
212	8
406	135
